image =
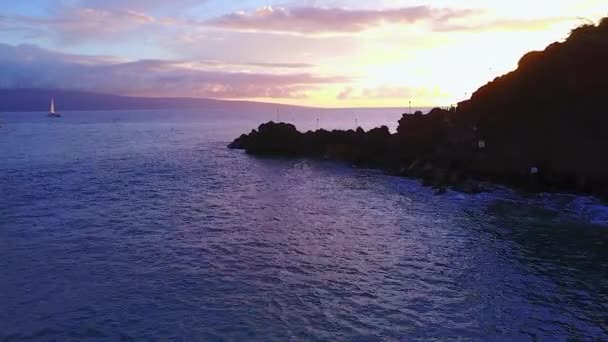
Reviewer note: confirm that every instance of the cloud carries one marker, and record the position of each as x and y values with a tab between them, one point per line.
28	66
75	25
314	20
249	65
83	23
345	94
501	24
262	46
140	5
112	21
284	65
388	92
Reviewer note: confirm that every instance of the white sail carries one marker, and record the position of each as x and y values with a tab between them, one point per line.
52	106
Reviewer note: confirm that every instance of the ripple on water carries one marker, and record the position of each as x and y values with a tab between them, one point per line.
176	237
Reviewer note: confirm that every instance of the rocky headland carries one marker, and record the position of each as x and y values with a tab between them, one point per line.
542	127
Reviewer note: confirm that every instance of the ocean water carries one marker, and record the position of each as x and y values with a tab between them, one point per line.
144	226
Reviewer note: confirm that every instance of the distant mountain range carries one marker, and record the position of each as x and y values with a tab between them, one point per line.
33	100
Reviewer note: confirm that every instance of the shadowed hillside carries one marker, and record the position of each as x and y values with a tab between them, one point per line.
552	112
542	127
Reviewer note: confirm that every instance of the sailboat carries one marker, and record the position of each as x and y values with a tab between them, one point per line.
52	113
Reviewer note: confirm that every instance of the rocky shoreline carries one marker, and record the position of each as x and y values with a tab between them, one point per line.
379	149
539	128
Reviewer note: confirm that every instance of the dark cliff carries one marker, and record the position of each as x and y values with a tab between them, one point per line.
550	113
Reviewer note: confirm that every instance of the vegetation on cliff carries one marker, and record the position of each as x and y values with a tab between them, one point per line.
542	127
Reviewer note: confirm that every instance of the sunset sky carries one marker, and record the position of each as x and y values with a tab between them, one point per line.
320	53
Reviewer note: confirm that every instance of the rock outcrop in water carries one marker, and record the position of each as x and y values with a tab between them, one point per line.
281	139
540	127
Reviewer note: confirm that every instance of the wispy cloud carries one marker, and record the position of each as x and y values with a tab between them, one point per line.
310	20
30	66
74	25
345	94
504	24
387	92
247	65
139	5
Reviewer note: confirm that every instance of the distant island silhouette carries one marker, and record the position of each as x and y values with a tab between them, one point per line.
37	99
542	127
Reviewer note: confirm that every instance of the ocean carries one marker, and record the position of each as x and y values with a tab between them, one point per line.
142	225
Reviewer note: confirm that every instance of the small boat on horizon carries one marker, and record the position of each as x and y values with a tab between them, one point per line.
52	113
